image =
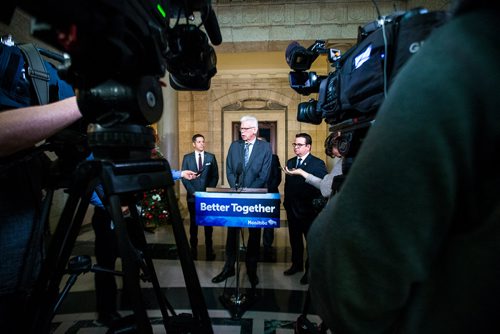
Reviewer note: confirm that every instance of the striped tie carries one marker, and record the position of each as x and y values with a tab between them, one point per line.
247	153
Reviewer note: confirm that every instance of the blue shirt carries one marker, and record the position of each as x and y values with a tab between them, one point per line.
176	174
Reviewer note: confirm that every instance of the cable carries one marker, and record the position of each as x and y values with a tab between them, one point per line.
376	7
381	20
386	50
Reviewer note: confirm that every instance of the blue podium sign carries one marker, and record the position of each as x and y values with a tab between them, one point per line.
237	209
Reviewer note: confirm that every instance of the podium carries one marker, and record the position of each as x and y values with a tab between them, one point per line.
237	208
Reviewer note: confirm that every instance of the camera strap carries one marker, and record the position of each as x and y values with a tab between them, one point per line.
39	76
37	72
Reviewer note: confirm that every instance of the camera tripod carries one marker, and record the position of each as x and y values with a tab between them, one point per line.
121	180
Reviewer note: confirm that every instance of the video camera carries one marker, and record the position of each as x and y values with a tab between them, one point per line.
300	60
351	94
119	51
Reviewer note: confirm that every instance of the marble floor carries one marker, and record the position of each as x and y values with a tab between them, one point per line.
277	304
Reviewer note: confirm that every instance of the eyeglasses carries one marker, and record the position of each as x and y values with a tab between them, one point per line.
298	145
246	129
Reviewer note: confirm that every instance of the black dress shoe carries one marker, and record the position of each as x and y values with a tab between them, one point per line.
225	274
107	319
292	270
211	257
304	279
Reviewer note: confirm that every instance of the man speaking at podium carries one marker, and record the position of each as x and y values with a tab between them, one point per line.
248	165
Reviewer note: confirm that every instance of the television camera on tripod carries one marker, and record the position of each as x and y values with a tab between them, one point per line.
119	52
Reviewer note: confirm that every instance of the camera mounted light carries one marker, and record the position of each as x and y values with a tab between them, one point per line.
298	57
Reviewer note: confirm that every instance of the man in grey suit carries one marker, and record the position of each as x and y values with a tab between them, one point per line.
248	165
205	164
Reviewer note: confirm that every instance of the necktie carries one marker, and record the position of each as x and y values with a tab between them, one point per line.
299	162
200	164
247	152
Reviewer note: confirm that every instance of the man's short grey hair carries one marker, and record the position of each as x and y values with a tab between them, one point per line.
250	119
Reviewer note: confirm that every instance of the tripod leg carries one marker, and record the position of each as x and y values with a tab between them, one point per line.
193	286
71	281
45	293
131	265
136	229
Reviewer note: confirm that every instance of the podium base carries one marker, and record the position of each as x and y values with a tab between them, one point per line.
238	304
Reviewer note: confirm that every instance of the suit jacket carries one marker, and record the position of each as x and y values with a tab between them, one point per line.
209	176
299	194
274	176
256	173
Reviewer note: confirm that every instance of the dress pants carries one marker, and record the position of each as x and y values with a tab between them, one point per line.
252	253
297	230
268	238
106	253
193	231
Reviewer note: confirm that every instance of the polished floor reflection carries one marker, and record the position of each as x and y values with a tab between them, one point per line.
274	308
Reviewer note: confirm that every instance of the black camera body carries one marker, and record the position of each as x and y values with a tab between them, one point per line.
118	52
351	94
120	49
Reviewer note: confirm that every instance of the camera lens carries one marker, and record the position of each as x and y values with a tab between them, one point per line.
308	113
305	83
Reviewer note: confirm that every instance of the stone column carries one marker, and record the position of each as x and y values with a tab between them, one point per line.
168	127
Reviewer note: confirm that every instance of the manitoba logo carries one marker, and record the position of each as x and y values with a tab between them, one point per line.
271	222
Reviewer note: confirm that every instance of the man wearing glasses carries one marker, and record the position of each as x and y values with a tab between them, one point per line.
248	165
299	197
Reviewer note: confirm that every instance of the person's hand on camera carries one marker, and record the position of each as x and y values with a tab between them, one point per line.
189	174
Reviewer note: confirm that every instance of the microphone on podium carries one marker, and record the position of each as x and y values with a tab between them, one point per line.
239	171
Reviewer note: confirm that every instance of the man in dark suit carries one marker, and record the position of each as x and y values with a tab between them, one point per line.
206	165
299	199
248	165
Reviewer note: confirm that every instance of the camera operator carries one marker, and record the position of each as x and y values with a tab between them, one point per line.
412	242
22	175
